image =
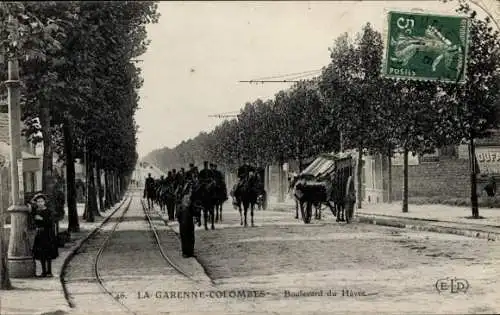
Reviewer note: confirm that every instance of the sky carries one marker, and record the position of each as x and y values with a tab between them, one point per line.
200	50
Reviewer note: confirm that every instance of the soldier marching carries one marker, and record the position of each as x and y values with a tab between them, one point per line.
177	192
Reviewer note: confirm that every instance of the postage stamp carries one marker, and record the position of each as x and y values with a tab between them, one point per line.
422	46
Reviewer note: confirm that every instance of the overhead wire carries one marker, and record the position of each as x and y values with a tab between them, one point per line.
310	72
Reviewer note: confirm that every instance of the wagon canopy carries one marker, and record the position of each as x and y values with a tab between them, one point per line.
326	164
323	164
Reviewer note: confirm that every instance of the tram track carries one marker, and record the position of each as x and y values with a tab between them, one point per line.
94	234
99	254
165	256
129	251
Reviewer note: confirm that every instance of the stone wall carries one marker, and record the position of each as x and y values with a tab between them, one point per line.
443	178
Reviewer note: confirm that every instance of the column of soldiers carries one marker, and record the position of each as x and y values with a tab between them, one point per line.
175	184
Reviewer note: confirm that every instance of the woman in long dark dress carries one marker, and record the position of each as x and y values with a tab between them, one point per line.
45	247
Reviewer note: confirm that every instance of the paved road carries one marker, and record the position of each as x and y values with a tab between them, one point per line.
270	268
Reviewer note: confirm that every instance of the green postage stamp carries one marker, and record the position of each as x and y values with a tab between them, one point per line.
423	46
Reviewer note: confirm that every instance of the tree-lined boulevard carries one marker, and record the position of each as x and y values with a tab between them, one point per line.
73	77
77	63
350	102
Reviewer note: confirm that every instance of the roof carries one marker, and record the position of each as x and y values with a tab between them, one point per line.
326	164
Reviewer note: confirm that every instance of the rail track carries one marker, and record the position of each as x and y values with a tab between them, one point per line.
95	234
156	237
104	248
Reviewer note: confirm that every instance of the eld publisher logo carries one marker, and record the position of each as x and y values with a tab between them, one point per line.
452	285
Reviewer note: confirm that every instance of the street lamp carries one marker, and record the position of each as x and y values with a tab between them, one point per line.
21	263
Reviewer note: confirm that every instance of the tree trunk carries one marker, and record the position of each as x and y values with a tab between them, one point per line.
122	186
118	188
281	192
113	187
405	180
47	148
100	189
93	196
389	182
359	172
473	179
89	211
73	224
107	200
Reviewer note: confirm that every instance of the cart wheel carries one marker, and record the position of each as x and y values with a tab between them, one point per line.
350	199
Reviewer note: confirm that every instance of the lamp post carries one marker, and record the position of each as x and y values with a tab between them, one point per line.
4	268
21	263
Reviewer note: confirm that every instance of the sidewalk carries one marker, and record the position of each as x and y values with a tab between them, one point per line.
432	218
47	293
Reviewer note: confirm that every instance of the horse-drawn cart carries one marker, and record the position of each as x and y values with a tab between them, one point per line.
328	180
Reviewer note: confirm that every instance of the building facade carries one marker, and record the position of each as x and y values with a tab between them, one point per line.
32	166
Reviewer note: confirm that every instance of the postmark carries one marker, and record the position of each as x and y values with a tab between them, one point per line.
429	47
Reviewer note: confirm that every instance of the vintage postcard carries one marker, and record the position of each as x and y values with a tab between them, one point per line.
250	157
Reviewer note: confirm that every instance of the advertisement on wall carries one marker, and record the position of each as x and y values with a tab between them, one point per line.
488	159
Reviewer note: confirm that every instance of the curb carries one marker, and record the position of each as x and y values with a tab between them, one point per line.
421	219
72	251
393	222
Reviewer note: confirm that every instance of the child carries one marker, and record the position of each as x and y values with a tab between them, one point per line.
45	247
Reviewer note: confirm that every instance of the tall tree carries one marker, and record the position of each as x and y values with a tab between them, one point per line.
350	83
472	108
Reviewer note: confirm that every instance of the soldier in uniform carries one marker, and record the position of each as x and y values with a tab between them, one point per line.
170	201
221	195
243	173
186	212
190	172
205	174
149	190
219	179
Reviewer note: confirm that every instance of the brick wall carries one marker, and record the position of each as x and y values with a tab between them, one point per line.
443	178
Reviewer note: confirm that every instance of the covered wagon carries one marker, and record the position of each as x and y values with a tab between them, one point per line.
328	180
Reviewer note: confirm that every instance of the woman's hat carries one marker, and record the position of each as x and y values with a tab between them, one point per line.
38	196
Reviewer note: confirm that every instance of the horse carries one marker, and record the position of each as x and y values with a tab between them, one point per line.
308	197
203	194
246	195
220	198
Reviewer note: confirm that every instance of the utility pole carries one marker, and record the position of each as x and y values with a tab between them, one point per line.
21	263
